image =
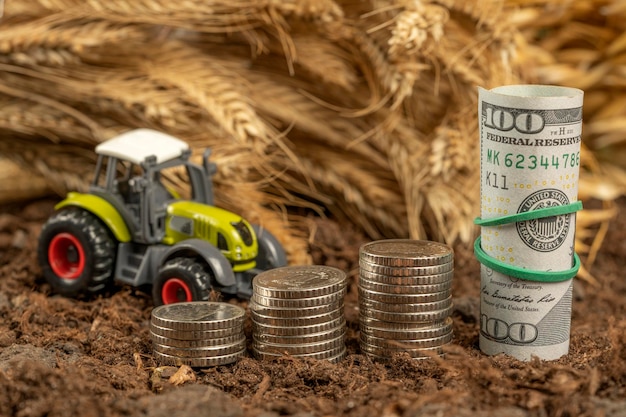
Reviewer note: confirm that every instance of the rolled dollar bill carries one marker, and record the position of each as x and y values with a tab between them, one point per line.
530	139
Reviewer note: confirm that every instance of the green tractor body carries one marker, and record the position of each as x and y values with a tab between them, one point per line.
130	228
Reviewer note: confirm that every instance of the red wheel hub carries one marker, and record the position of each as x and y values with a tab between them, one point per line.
175	290
66	256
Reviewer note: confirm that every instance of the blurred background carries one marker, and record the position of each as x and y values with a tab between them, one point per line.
360	110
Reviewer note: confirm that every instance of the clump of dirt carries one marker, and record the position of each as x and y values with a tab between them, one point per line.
93	357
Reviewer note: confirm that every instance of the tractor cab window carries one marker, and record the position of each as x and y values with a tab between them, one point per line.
176	181
126	173
114	175
100	176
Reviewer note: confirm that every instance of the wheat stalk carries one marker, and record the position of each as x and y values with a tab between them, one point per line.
365	110
582	44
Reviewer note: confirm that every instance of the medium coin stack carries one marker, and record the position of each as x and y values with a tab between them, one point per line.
298	311
405	297
198	334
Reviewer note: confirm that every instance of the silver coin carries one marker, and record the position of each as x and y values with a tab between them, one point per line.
406	308
285	312
328	354
302	281
197	352
414	353
415	317
407	343
298	349
404	331
388	358
296	321
405	271
200	362
215	342
198	315
394	325
300	302
196	334
413	280
298	331
337	358
301	339
406	252
403	298
372	285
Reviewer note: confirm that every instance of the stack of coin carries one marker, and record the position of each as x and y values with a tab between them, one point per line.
405	297
298	311
198	334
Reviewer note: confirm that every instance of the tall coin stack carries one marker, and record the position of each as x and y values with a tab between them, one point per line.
405	297
298	311
198	334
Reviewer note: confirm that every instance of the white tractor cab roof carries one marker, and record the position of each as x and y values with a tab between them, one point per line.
136	145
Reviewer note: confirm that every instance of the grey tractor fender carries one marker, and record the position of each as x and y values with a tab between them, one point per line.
271	252
219	265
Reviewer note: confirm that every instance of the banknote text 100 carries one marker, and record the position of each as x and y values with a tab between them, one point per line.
504	120
497	329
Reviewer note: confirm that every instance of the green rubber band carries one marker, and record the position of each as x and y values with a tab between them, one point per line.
531	215
522	273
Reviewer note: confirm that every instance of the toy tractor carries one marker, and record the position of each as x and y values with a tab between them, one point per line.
130	228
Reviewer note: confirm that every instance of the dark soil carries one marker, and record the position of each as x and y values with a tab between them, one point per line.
66	357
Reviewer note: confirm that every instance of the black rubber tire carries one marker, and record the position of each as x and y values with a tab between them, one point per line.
189	279
68	229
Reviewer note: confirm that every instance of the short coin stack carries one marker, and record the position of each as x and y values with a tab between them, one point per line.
198	334
298	311
405	297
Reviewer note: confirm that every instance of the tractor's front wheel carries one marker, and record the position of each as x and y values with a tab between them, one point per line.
76	253
180	280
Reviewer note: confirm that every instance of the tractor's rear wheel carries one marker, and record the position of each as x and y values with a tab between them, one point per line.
76	253
181	280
